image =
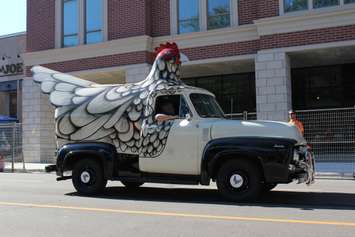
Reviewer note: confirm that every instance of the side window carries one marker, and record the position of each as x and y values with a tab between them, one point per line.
174	105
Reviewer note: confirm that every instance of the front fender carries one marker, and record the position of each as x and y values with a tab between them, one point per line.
273	155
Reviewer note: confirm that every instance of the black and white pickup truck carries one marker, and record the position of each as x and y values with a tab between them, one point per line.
111	132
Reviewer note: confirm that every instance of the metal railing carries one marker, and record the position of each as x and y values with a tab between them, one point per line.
11	145
331	133
242	116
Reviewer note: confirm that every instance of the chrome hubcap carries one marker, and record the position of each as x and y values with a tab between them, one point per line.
236	181
85	177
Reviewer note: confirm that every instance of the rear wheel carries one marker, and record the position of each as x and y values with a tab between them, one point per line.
132	185
239	180
88	177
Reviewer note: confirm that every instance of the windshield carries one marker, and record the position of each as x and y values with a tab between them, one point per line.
206	106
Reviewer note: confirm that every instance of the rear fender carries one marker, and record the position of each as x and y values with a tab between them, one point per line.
69	154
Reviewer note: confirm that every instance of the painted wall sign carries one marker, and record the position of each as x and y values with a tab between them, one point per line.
11	69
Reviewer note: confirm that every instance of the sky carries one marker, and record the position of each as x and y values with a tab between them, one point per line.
12	16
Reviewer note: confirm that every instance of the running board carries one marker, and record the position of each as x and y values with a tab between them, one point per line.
162	178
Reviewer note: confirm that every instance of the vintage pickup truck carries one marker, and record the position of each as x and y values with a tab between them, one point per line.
111	132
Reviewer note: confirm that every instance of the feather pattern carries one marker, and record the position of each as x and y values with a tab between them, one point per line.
122	115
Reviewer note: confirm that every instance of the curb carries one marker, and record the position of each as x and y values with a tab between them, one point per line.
330	175
23	171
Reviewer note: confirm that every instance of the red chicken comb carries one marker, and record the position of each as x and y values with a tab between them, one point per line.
172	48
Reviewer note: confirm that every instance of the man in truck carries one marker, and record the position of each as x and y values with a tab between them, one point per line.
165	110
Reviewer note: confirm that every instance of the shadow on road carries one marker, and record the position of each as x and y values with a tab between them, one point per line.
289	199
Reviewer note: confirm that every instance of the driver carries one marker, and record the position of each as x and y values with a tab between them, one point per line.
166	112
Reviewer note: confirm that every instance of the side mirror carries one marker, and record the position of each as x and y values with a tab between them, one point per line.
188	117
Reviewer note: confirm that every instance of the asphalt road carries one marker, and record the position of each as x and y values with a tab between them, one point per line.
35	205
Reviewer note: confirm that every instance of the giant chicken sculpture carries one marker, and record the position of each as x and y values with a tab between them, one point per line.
120	114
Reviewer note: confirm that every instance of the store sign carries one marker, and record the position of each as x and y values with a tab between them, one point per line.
11	69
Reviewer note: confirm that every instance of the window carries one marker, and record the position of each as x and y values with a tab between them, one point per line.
93	21
13	104
206	106
202	15
218	14
82	22
235	93
323	87
188	16
324	3
295	5
174	105
70	23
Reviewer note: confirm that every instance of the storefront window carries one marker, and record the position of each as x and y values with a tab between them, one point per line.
324	3
70	23
93	21
349	1
13	104
323	87
8	98
218	14
235	93
295	5
188	16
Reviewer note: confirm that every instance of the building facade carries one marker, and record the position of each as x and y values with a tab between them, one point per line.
266	57
11	74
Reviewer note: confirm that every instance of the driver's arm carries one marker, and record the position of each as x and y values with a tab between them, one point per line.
164	117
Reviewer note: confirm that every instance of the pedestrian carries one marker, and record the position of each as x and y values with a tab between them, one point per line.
294	121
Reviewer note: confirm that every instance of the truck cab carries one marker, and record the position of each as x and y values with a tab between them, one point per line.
244	158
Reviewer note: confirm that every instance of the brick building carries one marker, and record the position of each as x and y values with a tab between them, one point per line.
11	74
258	56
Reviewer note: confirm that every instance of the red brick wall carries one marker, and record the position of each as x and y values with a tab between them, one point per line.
250	10
127	18
247	11
317	36
267	8
40	25
160	16
222	50
308	37
99	62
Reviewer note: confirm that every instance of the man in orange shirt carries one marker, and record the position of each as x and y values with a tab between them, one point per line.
293	120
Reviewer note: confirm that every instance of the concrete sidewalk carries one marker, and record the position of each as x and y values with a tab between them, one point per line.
25	168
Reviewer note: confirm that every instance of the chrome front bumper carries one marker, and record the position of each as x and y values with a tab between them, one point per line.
307	164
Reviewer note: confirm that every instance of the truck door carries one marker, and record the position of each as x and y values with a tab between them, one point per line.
180	152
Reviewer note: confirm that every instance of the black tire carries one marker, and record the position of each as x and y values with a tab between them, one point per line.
96	181
132	185
267	187
246	177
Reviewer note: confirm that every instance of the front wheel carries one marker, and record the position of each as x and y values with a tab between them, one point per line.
239	180
88	177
